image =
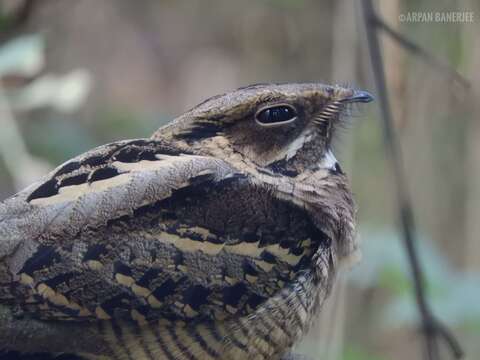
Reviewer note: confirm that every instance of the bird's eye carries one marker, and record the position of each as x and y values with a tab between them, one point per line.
276	115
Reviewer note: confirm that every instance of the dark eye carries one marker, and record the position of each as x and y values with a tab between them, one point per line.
276	115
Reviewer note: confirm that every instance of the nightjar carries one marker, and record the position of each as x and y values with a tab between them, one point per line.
216	238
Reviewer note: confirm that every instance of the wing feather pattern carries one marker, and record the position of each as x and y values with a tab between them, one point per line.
136	229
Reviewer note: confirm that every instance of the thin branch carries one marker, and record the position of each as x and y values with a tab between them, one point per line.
419	51
433	330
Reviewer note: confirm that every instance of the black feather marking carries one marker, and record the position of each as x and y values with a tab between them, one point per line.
68	168
47	189
233	294
248	268
249	237
286	244
281	167
143	309
127	155
337	171
121	268
147	209
134	154
198	185
164	290
269	238
200	131
199	179
94	252
195	296
169	216
103	173
120	301
117	148
255	300
74	180
59	279
148	155
44	257
95	160
268	257
296	250
148	276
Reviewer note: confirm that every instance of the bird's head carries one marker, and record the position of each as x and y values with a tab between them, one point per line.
284	128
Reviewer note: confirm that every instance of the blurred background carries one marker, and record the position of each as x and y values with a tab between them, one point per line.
77	74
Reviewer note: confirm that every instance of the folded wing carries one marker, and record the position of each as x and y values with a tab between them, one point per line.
137	229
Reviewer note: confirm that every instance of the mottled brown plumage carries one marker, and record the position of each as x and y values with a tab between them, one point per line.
217	238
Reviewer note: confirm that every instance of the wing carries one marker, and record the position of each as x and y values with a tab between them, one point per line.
136	229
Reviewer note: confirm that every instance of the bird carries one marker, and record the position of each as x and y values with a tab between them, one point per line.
218	237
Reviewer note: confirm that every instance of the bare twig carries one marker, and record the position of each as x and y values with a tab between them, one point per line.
419	51
433	330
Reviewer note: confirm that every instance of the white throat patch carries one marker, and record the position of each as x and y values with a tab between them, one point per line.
328	161
297	144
